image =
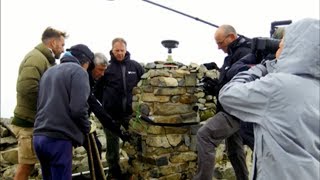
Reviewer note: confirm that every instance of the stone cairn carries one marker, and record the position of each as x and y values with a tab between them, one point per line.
170	97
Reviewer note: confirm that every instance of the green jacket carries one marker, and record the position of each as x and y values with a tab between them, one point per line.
35	63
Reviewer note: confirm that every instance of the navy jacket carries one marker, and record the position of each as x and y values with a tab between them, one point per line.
119	80
236	50
62	110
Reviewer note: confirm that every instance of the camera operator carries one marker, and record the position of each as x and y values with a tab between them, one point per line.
222	125
284	106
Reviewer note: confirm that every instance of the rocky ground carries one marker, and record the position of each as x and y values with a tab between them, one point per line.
8	158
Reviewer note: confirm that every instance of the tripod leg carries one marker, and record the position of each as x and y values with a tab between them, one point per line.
90	158
99	172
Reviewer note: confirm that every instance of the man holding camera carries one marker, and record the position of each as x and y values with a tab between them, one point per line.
222	125
283	102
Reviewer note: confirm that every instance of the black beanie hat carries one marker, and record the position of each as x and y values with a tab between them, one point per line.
82	51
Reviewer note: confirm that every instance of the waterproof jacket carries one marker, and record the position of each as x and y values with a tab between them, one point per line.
34	64
62	110
236	50
284	106
119	80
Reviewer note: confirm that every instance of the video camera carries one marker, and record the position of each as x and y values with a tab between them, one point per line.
264	48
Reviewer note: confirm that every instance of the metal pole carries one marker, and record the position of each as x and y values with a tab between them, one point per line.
165	7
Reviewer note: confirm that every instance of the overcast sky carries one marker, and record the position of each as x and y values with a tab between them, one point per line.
96	22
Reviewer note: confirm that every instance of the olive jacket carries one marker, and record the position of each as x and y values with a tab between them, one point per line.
34	64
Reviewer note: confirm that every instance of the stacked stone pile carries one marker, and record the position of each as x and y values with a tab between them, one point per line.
168	94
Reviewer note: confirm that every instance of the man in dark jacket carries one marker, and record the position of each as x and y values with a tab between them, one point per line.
62	113
222	125
120	77
95	74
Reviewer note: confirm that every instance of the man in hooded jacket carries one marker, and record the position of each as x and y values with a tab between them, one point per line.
283	102
62	113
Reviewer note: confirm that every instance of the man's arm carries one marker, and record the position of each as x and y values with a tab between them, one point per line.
104	118
243	64
29	76
80	90
140	71
247	96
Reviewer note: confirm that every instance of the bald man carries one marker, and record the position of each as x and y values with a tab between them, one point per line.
223	126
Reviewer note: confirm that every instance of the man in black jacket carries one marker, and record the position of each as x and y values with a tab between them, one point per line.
95	73
121	76
222	125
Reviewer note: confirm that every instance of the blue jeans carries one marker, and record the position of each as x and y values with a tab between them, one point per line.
55	156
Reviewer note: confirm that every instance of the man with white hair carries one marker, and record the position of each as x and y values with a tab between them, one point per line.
95	74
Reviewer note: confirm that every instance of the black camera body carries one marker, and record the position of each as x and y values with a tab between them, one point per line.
264	48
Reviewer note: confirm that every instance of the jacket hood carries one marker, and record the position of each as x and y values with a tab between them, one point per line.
300	54
81	50
68	57
113	58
